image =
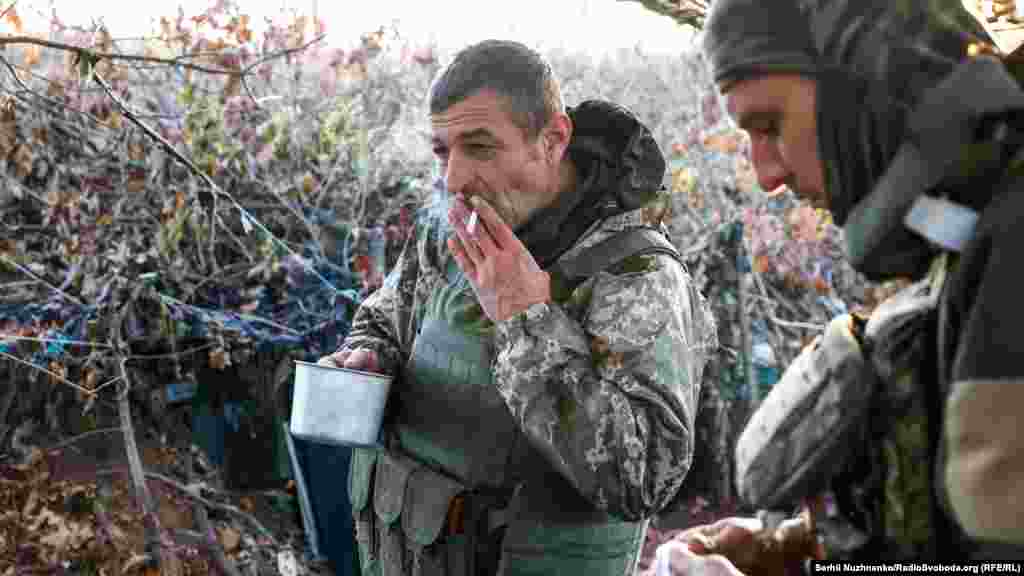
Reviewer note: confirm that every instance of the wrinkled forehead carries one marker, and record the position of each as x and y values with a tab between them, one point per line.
484	114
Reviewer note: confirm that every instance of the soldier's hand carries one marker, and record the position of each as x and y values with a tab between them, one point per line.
735	538
677	558
503	273
746	546
358	359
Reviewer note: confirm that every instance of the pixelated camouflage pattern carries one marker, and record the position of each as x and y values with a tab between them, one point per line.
604	380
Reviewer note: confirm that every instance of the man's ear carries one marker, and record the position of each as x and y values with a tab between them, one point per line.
557	137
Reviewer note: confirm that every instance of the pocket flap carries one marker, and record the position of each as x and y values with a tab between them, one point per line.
393	473
427	499
360	473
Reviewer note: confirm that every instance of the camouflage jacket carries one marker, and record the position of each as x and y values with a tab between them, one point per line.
603	380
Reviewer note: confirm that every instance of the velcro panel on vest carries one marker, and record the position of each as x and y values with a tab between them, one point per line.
796	440
393	472
428	496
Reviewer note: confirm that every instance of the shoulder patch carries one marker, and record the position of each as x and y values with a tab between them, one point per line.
635	265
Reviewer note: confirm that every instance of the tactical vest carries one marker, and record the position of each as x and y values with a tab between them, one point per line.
452	444
859	413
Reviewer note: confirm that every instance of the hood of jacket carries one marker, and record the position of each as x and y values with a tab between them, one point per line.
619	168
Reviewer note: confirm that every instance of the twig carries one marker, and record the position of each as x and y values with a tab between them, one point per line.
792	324
83	436
233	236
249	317
280	53
305	222
150	521
18	284
8	9
172	354
54	340
193	494
5	405
43	97
249	93
32	275
213	550
206	538
82	389
92	55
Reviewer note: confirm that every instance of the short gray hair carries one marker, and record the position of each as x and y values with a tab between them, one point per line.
512	70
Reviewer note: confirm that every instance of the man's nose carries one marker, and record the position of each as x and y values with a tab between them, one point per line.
456	174
771	170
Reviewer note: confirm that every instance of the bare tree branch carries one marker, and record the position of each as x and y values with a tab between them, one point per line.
182	61
32	275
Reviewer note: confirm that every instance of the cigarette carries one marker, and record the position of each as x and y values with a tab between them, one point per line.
471	226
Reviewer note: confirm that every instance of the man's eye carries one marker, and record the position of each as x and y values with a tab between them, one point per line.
479	148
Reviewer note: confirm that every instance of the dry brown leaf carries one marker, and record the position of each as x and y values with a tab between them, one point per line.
179	200
54	89
218	359
683	181
136	151
242	32
63	534
229	538
58	372
14	19
7	110
30	504
166	33
33	54
136	561
696	199
233	86
23	161
114	121
135	185
91	378
104	41
761	263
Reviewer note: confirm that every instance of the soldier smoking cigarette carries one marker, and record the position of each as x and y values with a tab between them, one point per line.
471	224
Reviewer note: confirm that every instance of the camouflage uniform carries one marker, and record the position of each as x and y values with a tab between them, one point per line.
574	416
